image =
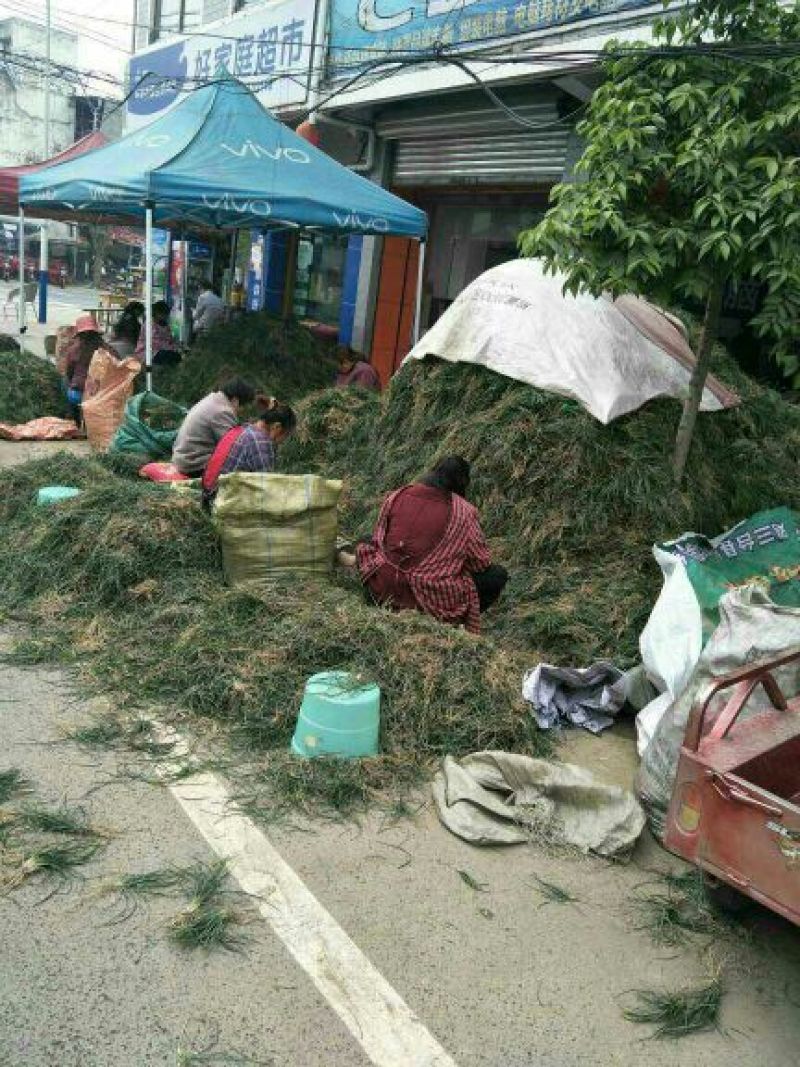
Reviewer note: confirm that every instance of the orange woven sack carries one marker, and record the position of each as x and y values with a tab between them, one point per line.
103	363
102	413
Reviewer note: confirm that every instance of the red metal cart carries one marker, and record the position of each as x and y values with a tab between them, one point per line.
735	809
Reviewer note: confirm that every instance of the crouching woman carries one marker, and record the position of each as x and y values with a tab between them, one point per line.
428	551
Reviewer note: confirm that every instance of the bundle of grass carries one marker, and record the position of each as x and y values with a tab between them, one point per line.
31	389
678	1013
681	907
208	921
572	507
281	359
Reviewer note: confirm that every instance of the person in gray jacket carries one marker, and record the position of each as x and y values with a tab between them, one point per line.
209	310
207	423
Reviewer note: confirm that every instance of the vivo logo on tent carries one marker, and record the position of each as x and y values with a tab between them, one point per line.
103	192
260	151
155	140
353	221
241	207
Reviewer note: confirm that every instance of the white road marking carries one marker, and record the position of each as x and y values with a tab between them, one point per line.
374	1013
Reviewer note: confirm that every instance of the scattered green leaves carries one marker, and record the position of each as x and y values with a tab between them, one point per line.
473	883
554	894
12	784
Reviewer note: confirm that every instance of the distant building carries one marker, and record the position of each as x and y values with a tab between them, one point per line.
22	93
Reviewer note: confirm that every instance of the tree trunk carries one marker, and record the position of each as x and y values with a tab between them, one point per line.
98	246
683	438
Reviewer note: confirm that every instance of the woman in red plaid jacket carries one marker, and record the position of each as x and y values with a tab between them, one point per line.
428	551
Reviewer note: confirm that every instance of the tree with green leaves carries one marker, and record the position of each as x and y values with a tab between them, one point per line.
690	178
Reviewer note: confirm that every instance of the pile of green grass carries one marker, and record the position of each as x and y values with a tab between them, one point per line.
572	507
125	581
31	388
279	358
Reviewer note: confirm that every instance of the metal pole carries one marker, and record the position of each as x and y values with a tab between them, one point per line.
44	263
148	297
21	246
420	275
316	61
47	87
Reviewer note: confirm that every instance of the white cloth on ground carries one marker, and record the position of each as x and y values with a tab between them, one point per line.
577	696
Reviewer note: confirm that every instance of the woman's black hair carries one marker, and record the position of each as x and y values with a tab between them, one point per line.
279	415
161	307
238	389
450	474
128	328
134	309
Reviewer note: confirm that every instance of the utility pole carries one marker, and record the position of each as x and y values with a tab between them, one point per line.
43	249
47	84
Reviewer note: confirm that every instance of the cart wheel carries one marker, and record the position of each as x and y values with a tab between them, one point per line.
725	897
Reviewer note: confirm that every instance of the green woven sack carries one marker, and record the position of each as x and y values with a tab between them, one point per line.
149	427
276	524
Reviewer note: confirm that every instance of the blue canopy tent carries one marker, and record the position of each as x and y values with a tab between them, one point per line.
219	159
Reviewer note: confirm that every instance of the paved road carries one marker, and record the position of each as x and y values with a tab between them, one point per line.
63	307
495	979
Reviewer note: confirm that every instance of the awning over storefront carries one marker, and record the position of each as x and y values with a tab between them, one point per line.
219	159
10	176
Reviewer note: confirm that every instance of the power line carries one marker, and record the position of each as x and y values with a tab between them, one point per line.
65	25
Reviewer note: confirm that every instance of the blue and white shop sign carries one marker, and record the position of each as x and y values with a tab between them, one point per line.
270	49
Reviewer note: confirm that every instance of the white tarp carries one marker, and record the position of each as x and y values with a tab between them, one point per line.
516	320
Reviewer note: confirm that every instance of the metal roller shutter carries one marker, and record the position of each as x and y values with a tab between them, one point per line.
477	143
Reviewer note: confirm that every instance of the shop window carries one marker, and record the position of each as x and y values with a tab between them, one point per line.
467	239
176	16
320	277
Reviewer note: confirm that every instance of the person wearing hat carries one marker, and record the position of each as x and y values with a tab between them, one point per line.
85	342
354	372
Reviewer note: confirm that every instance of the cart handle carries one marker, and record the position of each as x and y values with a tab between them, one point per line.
744	681
731	793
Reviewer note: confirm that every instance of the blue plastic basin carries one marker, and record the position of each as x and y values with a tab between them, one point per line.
54	494
338	717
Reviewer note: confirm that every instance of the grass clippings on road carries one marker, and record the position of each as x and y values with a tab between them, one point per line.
678	1013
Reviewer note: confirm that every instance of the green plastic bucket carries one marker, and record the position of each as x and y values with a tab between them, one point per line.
54	494
338	717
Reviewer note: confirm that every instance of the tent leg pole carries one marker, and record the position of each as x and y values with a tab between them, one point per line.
21	253
148	297
44	258
420	277
290	276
